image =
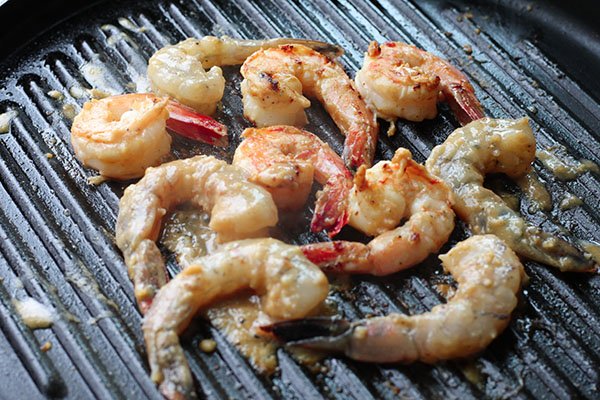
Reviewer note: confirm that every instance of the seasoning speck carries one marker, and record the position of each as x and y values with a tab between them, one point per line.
97	180
46	346
468	48
49	156
35	314
5	120
56	95
208	345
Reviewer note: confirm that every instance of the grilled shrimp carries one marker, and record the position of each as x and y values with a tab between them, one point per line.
381	198
275	79
489	275
499	146
290	287
121	136
284	160
179	70
239	209
401	80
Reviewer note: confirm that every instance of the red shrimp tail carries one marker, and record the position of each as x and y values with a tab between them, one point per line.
339	256
331	207
359	148
463	103
188	123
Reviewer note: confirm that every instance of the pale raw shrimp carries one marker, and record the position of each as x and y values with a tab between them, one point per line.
381	198
489	276
499	146
238	208
122	135
290	287
179	70
402	81
275	79
284	160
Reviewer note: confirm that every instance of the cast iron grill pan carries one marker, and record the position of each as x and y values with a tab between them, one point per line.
57	231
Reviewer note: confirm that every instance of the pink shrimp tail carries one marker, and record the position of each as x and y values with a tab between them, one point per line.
359	148
338	256
188	123
463	103
331	207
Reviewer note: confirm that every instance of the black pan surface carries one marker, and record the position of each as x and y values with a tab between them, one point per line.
539	59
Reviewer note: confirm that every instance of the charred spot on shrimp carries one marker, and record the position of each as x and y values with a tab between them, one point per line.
273	83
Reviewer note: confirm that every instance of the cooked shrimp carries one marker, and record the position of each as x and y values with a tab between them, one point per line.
381	198
239	209
290	287
179	71
284	160
274	80
499	146
121	136
489	275
402	81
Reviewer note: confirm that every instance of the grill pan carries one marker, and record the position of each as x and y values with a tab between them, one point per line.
57	232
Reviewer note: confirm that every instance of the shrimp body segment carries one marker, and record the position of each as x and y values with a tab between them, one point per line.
402	81
273	87
382	197
180	70
499	146
489	276
239	209
284	160
290	286
122	135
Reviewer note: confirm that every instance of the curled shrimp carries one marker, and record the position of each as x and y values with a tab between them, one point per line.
275	79
179	70
381	198
489	275
290	286
402	81
284	160
239	209
499	146
121	136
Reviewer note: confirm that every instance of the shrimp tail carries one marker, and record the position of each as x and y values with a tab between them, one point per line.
319	333
359	149
331	208
463	102
339	256
188	123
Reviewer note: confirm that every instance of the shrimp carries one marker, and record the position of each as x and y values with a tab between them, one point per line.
179	70
402	81
489	276
381	198
239	209
274	80
284	160
499	146
290	286
121	136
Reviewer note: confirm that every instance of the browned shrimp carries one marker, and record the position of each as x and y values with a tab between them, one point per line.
284	160
290	286
382	197
401	80
239	209
489	275
275	79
